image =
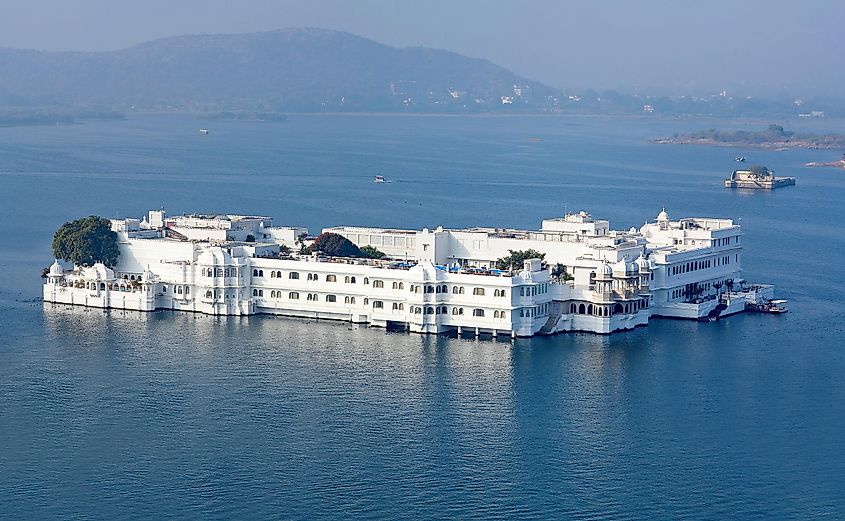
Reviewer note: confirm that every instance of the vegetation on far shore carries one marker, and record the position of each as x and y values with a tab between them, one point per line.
775	136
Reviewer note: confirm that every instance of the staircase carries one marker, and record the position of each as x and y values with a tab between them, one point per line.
549	325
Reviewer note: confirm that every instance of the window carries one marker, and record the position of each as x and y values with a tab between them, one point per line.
401	306
496	314
395	305
478	312
208	294
454	290
272	274
163	288
429	310
454	311
395	285
331	278
378	284
401	286
366	280
429	289
293	275
377	304
478	292
331	298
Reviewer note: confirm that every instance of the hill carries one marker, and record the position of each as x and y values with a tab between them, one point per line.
289	70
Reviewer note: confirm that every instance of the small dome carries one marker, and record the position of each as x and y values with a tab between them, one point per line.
633	268
606	269
642	263
620	267
215	256
663	216
56	269
99	271
147	275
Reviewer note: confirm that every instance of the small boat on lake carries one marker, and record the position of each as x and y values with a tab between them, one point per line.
774	307
379	179
740	159
204	131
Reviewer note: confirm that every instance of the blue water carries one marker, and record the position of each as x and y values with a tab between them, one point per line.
131	416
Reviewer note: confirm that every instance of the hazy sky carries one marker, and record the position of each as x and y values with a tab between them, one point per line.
675	46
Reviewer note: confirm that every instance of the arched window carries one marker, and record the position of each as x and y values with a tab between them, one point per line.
260	273
331	278
429	310
378	283
293	275
460	311
477	312
187	290
272	274
378	304
478	292
366	280
395	285
401	306
255	293
437	289
461	291
429	289
618	308
401	285
208	294
331	298
590	309
454	290
395	305
582	309
454	311
254	273
366	301
496	314
444	288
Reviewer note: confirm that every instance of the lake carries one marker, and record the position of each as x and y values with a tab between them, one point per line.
123	415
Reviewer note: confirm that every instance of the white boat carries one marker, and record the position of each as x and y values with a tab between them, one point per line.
768	306
379	179
204	131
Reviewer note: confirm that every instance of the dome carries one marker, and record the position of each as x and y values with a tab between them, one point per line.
633	268
147	276
620	267
215	256
56	269
99	271
663	216
606	269
642	263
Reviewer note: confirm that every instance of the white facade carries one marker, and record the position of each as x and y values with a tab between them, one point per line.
593	278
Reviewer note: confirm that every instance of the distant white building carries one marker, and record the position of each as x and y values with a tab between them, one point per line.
591	279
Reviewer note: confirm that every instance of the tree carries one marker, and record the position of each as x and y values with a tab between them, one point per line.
516	259
86	241
372	252
335	245
300	240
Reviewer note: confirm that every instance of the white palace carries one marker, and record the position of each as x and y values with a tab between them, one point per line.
591	278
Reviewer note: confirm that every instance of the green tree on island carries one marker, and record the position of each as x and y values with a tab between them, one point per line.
371	252
86	241
335	245
516	259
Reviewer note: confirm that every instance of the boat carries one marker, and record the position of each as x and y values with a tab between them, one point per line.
204	131
378	179
740	159
774	307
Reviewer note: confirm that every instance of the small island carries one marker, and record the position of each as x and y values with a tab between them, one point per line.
774	137
831	164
